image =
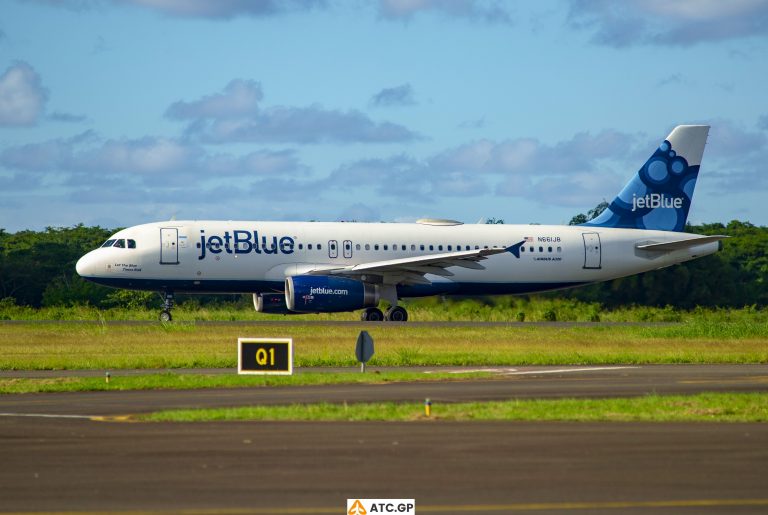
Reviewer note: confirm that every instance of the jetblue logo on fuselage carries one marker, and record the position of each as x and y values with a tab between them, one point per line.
244	242
655	200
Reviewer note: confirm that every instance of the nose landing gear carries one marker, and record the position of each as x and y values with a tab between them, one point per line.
165	314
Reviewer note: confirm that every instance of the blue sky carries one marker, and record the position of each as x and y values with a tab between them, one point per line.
119	112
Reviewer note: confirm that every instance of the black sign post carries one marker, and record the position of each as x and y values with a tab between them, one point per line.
265	356
364	349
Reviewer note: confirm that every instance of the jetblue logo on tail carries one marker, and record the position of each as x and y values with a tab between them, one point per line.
655	201
659	195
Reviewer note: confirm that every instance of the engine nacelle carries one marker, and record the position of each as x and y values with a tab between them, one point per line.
273	303
328	294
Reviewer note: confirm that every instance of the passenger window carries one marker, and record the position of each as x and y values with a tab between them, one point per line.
309	246
376	247
477	247
108	243
541	249
319	247
421	247
119	244
131	244
333	246
431	247
386	247
357	247
301	246
549	249
559	249
367	246
439	247
522	249
449	247
413	248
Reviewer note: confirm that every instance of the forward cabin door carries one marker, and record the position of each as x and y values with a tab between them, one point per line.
169	246
592	253
347	249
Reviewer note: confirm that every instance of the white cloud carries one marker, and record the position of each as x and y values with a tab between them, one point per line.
240	98
397	96
212	9
22	96
476	10
149	159
235	116
682	22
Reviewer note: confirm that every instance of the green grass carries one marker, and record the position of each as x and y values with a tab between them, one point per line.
707	407
495	309
31	346
194	381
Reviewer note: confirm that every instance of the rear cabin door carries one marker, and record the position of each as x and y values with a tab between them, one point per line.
333	249
169	246
592	251
347	249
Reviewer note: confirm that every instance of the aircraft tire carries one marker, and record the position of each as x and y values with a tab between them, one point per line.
372	315
396	314
165	316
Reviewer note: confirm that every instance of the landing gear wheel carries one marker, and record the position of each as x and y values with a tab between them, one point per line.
165	314
396	314
372	315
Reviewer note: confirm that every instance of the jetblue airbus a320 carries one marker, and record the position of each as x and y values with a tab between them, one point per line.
311	267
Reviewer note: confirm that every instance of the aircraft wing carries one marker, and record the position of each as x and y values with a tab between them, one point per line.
679	244
411	270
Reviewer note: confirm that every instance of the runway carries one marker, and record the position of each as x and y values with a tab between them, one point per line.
509	383
82	466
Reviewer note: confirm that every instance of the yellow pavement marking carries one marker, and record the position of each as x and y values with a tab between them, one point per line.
520	507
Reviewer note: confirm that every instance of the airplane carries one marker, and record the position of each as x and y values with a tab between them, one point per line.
317	267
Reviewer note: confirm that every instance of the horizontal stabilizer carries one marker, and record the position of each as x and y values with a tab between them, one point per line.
679	244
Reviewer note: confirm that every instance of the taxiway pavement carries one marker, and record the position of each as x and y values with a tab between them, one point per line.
52	463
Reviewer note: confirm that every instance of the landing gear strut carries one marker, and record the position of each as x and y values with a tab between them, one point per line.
165	314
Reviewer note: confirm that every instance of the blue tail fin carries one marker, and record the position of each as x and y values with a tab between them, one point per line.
659	195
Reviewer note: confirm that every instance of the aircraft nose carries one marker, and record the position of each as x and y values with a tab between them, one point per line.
86	265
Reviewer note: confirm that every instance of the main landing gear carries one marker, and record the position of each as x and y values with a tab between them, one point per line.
165	314
393	314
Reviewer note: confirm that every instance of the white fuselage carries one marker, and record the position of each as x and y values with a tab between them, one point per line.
254	257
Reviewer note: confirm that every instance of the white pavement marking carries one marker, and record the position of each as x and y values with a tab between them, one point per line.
565	370
43	415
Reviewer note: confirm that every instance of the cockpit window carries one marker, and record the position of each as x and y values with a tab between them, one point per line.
108	243
120	244
131	244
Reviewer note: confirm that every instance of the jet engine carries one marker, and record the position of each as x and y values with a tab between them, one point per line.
327	294
272	303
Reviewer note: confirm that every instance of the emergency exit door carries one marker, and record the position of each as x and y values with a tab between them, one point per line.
169	246
592	251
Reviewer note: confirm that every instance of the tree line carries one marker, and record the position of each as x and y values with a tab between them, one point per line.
37	268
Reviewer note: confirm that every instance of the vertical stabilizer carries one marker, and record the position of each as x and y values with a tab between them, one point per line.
659	195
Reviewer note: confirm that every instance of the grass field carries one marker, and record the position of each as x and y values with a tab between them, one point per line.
708	407
170	380
186	345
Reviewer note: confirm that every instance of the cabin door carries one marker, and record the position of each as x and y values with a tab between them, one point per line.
169	246
592	254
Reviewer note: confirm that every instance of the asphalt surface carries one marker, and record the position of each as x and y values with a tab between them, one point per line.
53	464
509	383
